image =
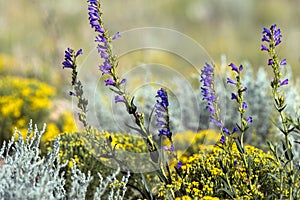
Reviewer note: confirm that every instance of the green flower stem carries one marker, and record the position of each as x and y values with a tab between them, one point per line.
280	105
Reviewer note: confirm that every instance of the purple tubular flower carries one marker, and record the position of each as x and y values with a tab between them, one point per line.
233	67
119	98
109	81
270	62
179	165
162	114
285	82
249	120
231	81
283	62
225	130
222	140
210	108
244	105
233	96
264	48
218	123
117	35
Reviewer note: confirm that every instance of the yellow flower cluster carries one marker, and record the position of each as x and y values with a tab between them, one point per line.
22	99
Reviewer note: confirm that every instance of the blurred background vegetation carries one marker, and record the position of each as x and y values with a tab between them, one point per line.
34	33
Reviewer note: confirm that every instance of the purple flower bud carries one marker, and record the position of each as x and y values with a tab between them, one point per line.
270	62
79	52
235	163
283	62
222	140
117	35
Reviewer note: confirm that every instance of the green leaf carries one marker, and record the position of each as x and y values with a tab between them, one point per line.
227	192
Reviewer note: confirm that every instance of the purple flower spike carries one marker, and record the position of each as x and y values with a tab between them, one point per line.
272	34
162	114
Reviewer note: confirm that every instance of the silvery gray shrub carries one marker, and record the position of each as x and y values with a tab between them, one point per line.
25	174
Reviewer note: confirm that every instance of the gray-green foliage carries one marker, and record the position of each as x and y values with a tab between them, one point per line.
25	174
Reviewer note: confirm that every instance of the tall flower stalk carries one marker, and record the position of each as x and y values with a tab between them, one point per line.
272	38
108	69
117	85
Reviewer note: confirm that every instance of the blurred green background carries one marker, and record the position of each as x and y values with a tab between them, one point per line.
35	33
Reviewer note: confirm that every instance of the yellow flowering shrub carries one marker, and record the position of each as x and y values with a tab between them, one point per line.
203	175
22	99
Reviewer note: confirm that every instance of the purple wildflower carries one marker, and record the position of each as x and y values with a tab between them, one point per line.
109	81
285	82
117	35
231	81
270	62
222	140
234	97
119	98
179	165
283	62
210	108
218	123
249	120
244	105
